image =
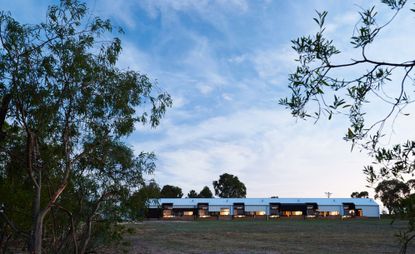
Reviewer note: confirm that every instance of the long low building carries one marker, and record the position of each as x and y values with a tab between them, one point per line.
265	208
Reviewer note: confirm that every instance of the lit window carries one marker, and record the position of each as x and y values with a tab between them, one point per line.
203	213
334	213
167	214
188	213
296	213
224	211
260	213
292	213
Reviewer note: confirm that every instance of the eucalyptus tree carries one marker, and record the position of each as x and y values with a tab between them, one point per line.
138	202
362	194
324	86
391	193
205	193
66	109
192	194
229	186
170	191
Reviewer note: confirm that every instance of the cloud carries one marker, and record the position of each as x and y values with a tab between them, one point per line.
266	149
344	21
225	121
200	62
118	9
225	63
205	89
133	58
227	97
23	11
274	64
237	59
159	7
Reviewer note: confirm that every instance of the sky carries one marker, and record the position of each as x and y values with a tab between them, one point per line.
226	65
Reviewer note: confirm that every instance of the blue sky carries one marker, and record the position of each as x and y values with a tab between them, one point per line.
226	64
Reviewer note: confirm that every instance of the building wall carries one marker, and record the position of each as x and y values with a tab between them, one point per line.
256	208
217	208
369	207
183	206
331	208
369	211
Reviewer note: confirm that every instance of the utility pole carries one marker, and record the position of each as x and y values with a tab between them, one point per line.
328	193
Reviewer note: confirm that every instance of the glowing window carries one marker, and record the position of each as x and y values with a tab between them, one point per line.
292	213
334	213
224	211
167	214
188	213
297	213
260	213
203	213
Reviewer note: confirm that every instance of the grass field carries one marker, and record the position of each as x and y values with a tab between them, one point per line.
281	236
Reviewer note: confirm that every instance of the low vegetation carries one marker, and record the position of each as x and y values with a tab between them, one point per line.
281	236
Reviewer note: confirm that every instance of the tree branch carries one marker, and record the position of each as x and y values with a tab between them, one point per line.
3	112
72	232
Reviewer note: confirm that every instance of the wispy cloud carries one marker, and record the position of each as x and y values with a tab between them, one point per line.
159	7
258	146
274	64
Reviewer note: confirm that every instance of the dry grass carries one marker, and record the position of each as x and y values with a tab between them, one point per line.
281	236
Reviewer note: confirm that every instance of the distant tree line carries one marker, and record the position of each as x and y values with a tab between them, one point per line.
228	186
204	193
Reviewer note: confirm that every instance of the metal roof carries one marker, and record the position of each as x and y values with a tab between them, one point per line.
263	201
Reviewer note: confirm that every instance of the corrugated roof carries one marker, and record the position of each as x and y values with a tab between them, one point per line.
265	201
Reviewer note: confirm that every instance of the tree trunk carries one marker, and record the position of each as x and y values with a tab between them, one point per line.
37	235
88	232
38	231
37	224
72	233
38	215
87	236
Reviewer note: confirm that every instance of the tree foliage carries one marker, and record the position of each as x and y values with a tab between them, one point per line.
362	194
205	193
317	77
192	194
136	204
229	186
391	193
324	86
170	191
65	109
